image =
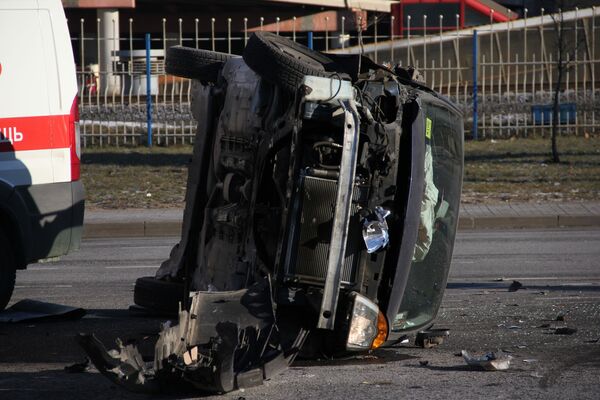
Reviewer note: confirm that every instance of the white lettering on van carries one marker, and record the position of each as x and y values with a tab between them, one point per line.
10	135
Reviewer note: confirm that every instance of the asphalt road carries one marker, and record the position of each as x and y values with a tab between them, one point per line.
560	271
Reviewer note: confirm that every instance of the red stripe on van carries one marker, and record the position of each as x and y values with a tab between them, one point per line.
34	133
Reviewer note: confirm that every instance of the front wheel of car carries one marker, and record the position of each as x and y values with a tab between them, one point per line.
8	267
282	61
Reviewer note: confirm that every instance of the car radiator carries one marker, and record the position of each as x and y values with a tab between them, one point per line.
311	232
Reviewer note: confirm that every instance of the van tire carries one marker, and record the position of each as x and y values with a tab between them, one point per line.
283	61
8	268
188	62
158	295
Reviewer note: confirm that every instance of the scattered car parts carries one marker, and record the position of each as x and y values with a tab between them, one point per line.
431	337
491	361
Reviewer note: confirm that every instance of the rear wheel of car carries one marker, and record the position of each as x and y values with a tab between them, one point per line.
283	61
158	295
8	267
188	62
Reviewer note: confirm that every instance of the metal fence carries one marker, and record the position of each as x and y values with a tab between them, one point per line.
502	75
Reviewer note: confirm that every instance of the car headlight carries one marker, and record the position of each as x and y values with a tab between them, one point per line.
368	326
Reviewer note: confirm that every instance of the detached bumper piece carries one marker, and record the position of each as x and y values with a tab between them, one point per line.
227	341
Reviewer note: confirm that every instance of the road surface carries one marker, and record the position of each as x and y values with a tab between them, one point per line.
560	270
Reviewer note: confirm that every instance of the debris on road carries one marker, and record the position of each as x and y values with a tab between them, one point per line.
32	310
489	361
514	286
424	363
431	337
565	331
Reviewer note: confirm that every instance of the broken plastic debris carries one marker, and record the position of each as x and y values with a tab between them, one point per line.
490	361
226	341
375	231
431	337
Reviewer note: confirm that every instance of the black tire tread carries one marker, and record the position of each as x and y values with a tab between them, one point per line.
192	63
279	68
8	270
157	294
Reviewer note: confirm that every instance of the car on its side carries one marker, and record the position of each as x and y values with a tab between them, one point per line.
321	209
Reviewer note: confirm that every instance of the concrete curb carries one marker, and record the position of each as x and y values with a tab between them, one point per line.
131	229
104	229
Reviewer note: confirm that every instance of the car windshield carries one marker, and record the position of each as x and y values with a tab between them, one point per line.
439	216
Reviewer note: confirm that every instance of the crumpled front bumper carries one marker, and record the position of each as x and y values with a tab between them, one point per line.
226	341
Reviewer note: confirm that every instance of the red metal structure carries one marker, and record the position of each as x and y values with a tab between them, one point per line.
433	15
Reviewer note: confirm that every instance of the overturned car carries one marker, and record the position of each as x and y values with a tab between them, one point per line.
321	209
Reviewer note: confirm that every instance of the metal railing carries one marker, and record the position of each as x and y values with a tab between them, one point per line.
503	75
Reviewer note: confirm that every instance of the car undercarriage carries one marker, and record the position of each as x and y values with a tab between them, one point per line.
321	209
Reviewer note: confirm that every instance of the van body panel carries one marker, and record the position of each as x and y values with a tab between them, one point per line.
38	86
54	211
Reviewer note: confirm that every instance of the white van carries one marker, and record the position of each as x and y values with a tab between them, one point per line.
41	196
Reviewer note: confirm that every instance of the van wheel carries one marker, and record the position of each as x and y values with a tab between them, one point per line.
283	61
192	63
8	267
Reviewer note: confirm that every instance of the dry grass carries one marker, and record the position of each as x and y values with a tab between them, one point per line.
135	177
495	171
520	170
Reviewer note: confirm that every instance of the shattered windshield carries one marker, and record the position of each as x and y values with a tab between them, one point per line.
438	219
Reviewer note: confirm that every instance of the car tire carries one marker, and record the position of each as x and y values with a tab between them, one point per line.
282	61
158	295
8	268
188	62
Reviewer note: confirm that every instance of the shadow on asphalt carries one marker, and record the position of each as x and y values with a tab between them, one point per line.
54	342
58	384
132	159
461	368
505	285
379	356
